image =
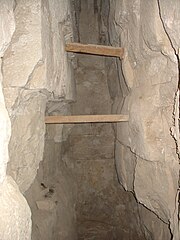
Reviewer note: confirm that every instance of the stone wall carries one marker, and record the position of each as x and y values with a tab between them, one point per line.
101	208
15	222
36	70
146	158
104	209
52	195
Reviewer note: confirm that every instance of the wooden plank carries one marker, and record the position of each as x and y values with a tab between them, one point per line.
95	49
86	119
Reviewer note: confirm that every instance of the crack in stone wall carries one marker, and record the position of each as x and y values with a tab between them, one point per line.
35	70
119	92
15	217
150	68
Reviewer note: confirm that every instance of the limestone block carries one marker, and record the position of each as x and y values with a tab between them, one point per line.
7	24
148	31
7	27
156	190
154	36
125	165
11	95
152	226
56	30
24	54
146	124
36	57
15	217
151	115
169	11
27	141
5	132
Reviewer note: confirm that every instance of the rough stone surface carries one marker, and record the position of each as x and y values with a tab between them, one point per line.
56	23
6	16
147	30
27	141
53	191
35	68
36	57
25	50
104	209
15	215
7	19
153	227
125	169
5	130
15	222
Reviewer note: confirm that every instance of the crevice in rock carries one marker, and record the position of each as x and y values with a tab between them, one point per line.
177	208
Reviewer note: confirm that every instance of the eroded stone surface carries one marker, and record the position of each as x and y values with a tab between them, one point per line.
150	69
36	57
25	50
152	226
35	60
54	192
35	68
6	16
15	215
125	165
104	210
146	159
7	19
27	141
5	130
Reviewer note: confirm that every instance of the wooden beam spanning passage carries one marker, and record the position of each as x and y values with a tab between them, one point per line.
95	49
86	119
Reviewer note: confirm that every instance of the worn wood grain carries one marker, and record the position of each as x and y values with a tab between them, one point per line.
95	49
86	118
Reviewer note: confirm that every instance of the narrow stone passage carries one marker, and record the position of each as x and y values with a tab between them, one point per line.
104	210
98	181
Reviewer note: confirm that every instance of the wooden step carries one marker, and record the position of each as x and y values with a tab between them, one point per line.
86	118
95	49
